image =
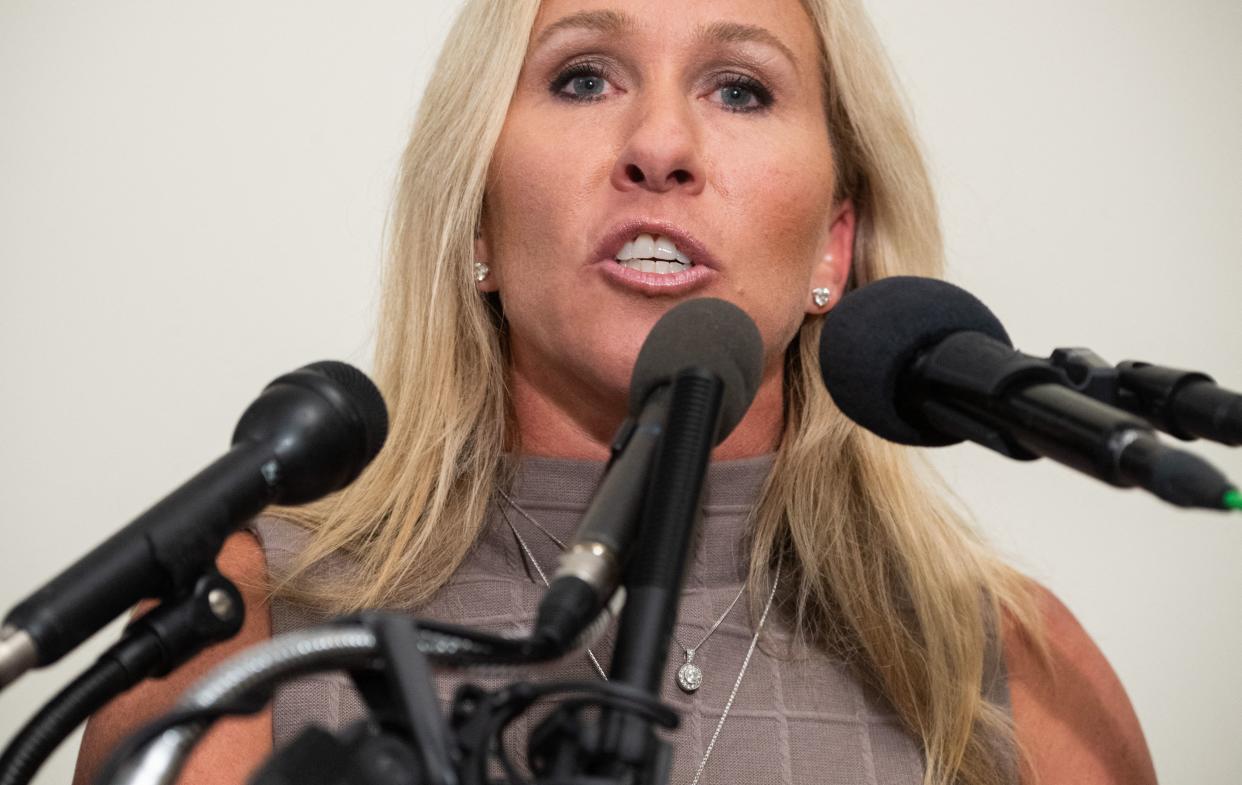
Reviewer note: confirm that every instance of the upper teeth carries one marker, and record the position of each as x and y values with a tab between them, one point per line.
653	255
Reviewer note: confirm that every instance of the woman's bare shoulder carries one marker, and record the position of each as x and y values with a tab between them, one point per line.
1071	712
233	747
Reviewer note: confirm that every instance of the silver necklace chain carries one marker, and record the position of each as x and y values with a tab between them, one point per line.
689	675
521	542
737	683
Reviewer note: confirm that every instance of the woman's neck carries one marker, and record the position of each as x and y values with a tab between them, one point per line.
553	424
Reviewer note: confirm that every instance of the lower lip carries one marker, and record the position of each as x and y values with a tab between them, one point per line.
696	277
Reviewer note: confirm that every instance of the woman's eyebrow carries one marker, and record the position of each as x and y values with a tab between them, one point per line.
614	23
736	32
606	22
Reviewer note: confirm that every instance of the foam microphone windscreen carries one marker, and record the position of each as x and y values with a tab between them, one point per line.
875	334
710	334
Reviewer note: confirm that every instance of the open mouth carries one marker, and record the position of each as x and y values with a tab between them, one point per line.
653	254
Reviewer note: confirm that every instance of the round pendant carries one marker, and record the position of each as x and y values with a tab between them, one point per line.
689	677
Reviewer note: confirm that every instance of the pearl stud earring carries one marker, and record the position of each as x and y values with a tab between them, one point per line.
821	295
481	271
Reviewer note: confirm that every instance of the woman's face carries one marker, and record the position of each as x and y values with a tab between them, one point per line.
656	152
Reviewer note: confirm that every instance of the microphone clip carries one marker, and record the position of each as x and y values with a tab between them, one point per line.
954	364
1185	404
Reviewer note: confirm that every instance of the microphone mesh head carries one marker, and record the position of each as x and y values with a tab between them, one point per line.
706	333
873	336
365	397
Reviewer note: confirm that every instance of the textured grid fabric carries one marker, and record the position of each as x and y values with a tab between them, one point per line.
797	718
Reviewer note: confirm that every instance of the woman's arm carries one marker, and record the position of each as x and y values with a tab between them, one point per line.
234	747
1073	718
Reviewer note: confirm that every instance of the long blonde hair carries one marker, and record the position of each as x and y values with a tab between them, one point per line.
883	575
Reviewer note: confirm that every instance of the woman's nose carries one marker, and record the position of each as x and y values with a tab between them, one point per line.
662	151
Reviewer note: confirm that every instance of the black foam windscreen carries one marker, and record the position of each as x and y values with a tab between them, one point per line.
706	333
874	335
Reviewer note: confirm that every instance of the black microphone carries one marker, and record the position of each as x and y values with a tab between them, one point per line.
671	508
1187	404
308	434
709	334
919	361
702	363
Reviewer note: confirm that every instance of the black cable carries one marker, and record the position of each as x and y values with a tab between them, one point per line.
614	695
465	646
489	649
497	742
32	745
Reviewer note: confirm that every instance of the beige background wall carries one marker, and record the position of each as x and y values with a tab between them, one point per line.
191	196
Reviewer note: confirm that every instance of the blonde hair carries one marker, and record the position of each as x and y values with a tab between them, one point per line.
883	574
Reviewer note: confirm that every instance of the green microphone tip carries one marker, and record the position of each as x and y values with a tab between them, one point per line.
1233	499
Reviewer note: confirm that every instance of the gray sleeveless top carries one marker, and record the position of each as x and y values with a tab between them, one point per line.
798	717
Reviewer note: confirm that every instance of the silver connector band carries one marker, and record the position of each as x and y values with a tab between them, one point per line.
592	563
17	654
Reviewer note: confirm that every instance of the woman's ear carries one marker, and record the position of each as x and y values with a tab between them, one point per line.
484	278
832	271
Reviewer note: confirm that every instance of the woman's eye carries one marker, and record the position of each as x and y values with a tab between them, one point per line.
586	86
583	83
743	95
737	98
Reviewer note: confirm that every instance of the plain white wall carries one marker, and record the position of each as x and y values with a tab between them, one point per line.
192	196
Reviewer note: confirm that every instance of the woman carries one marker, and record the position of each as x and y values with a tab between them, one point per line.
756	149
